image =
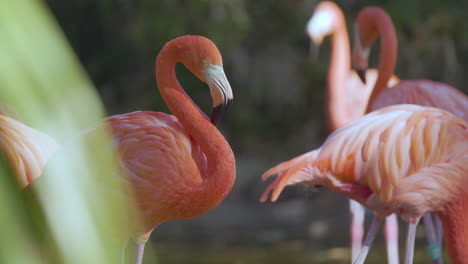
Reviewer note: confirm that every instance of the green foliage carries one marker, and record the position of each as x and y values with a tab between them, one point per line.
68	214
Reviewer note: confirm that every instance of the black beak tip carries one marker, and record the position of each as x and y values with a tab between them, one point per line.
218	112
362	75
216	115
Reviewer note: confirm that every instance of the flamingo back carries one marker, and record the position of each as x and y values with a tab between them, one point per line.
426	93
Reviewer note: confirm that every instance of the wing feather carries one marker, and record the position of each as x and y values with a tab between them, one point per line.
156	152
379	151
26	149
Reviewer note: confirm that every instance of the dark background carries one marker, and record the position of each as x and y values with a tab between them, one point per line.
278	111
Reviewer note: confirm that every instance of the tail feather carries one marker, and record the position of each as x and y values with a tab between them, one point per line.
283	166
288	173
26	149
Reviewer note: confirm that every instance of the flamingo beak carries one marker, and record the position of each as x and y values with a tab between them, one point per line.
314	51
360	56
221	91
219	111
319	26
362	75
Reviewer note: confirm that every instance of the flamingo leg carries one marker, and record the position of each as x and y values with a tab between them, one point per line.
357	228
410	239
431	236
371	234
140	252
391	237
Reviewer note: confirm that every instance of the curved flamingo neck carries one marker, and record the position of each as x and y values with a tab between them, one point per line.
374	22
220	175
455	224
338	72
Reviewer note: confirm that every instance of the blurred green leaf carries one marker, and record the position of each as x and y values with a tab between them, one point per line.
84	202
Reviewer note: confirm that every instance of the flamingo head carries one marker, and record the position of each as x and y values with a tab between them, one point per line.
366	31
361	51
204	60
324	21
322	24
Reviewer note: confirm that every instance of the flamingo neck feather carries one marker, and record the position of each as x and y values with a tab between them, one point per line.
219	177
455	224
381	24
338	71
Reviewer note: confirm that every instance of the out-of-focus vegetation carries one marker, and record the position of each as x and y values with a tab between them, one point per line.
69	216
277	113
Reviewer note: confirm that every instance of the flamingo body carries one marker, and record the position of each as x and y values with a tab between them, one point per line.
371	23
179	166
163	164
404	159
401	159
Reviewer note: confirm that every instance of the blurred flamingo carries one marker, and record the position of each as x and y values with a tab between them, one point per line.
26	150
371	23
347	98
179	166
404	159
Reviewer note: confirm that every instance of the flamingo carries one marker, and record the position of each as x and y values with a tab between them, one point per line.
371	23
26	150
404	159
179	166
347	98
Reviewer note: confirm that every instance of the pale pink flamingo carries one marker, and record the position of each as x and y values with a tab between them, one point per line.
25	149
404	159
347	98
179	166
371	23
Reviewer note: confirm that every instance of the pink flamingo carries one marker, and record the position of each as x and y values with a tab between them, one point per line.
404	159
347	98
371	23
179	166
